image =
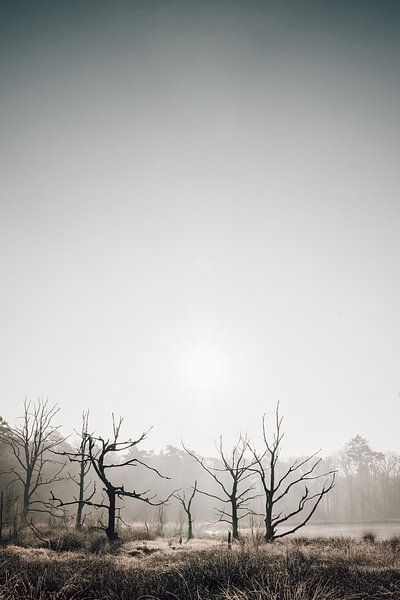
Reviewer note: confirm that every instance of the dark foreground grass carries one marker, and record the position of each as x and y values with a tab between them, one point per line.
320	570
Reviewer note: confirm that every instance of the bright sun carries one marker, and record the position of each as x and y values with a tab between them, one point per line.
204	369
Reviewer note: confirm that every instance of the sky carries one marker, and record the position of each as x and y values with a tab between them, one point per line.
199	217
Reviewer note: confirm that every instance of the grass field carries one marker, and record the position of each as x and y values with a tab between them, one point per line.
302	569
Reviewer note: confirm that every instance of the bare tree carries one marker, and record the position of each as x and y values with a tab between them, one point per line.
187	507
235	470
84	464
83	471
31	444
277	487
99	453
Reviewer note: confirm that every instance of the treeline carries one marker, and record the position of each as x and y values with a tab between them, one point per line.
367	486
110	482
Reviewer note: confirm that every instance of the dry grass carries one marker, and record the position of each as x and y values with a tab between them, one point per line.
333	569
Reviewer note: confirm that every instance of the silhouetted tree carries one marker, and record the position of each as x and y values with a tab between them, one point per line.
98	452
230	476
277	487
31	444
187	507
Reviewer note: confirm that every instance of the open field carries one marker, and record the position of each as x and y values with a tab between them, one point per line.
302	569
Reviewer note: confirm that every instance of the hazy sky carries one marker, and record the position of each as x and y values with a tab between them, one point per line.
200	215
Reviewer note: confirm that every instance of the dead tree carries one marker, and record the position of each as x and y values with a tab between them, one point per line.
31	443
100	453
84	467
277	487
235	496
83	461
187	507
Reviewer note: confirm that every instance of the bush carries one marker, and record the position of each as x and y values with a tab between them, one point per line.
369	537
68	541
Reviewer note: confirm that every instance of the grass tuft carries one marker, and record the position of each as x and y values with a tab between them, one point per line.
369	537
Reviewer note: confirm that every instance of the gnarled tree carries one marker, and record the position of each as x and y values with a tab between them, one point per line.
31	443
101	454
277	486
231	477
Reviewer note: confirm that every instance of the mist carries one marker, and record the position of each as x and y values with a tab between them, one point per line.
199	217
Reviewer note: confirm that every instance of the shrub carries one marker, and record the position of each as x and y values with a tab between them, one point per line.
369	537
68	541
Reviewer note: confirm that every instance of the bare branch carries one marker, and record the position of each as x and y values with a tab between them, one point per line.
273	492
236	469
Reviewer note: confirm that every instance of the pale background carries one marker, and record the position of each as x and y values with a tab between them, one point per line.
199	216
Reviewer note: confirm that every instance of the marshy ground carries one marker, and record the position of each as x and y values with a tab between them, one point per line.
299	569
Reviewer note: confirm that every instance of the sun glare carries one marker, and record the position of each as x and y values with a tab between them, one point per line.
204	369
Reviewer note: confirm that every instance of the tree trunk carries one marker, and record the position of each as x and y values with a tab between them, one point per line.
110	531
235	521
25	509
25	505
269	528
269	532
190	527
78	521
79	510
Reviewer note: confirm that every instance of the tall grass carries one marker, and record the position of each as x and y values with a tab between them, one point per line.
369	537
319	570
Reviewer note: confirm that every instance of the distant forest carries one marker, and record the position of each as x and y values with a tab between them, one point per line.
366	486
